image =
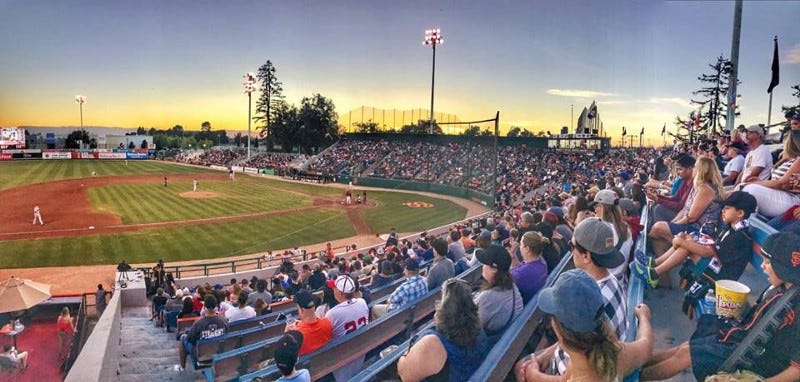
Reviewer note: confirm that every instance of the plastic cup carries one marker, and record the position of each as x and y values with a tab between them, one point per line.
731	298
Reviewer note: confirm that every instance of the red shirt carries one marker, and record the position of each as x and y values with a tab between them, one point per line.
315	334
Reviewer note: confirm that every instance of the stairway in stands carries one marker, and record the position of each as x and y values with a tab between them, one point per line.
147	353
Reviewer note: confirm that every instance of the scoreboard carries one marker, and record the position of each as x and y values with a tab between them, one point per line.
12	137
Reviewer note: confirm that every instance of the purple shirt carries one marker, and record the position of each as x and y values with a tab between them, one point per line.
530	277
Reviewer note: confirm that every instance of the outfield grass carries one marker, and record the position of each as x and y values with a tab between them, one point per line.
202	241
151	202
391	213
18	173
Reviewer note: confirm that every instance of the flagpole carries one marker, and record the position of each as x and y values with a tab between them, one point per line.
769	112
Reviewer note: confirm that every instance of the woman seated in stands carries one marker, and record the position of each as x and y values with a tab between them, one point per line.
499	300
702	207
777	195
583	331
531	273
455	347
188	309
606	207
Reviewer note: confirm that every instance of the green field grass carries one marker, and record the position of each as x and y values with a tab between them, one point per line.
18	173
146	202
391	213
149	202
202	241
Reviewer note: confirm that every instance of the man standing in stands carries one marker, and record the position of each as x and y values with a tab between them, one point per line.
593	251
316	331
442	268
208	326
408	292
350	314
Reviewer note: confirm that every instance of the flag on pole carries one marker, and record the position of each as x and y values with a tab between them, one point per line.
664	130
624	132
775	68
642	133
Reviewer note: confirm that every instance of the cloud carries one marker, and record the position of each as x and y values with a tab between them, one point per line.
793	57
660	101
578	93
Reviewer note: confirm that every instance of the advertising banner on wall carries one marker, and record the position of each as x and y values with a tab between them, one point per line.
56	155
110	155
5	156
251	170
88	155
136	155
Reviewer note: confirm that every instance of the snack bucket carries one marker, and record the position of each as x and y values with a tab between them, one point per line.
731	298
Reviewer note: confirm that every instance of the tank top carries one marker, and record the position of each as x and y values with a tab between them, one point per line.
461	362
711	214
64	326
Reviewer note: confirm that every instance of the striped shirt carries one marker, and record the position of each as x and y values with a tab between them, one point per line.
781	170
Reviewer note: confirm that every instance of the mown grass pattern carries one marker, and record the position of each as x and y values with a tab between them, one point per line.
202	241
18	173
391	213
152	202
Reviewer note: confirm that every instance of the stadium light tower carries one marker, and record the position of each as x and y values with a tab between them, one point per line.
249	88
433	37
80	99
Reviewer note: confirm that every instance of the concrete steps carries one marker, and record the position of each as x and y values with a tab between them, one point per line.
147	353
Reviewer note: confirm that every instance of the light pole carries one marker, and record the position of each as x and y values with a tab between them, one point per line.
433	37
249	88
80	99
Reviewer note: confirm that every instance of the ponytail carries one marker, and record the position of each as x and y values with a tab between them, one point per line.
599	346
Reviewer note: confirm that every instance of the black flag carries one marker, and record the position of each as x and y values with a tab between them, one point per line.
642	133
775	69
664	130
624	132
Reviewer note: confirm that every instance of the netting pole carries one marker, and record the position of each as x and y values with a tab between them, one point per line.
496	154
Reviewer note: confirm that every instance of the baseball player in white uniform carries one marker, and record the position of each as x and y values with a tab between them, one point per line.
37	215
194	185
350	314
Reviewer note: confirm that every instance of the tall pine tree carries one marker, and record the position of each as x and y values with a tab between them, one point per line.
268	103
713	97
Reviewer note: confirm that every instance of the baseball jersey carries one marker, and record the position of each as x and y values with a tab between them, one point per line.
348	316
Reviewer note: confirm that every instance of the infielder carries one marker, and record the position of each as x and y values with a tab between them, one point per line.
194	185
37	215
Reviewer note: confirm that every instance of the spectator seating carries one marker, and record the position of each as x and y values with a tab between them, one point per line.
636	289
348	348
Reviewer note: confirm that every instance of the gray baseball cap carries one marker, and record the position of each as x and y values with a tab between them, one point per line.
597	237
628	206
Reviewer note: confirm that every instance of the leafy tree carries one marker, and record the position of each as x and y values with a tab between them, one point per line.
152	131
237	140
514	132
541	133
177	131
270	99
74	137
525	133
713	96
471	131
367	127
141	131
421	127
319	122
687	129
205	126
796	94
486	133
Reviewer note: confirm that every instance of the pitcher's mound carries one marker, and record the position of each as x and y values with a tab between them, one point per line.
199	195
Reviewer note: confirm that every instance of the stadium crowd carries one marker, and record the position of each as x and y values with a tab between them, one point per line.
551	203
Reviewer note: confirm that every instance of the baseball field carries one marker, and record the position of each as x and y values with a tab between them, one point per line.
100	212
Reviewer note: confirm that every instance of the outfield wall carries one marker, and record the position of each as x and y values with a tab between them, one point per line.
65	154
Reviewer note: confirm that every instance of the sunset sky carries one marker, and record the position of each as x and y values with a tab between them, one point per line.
162	63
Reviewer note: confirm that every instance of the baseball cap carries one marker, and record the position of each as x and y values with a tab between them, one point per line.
607	197
495	256
411	265
756	129
440	246
486	235
741	201
287	349
624	175
574	300
628	205
305	299
558	211
783	251
179	293
527	216
345	284
597	237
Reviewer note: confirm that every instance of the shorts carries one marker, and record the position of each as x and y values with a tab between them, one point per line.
678	228
708	354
